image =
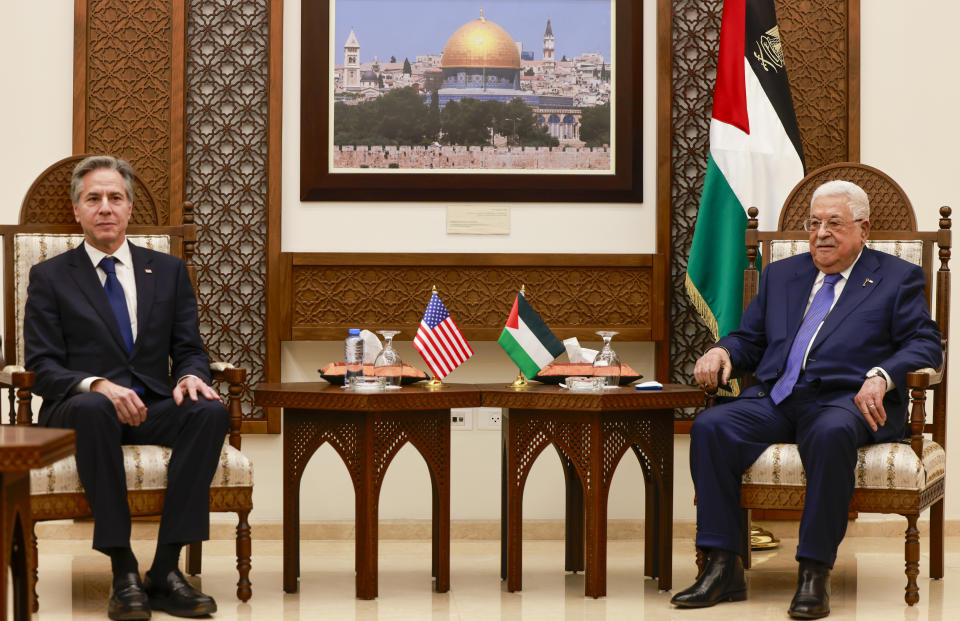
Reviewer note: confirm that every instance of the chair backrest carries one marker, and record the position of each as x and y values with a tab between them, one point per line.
893	229
47	228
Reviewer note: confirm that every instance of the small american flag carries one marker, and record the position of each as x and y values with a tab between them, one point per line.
440	341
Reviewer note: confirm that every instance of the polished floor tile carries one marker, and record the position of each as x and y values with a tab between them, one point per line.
867	584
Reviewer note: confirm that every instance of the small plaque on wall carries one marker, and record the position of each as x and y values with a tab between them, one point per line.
478	220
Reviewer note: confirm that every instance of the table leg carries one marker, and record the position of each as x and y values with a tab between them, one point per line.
441	506
595	578
367	516
514	513
664	425
573	557
651	560
503	496
291	512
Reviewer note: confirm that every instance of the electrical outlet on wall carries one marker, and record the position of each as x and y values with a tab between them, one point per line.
489	418
461	419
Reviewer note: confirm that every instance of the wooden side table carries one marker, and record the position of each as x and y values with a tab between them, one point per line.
591	431
23	448
366	430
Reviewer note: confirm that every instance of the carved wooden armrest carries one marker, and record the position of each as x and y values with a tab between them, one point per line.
236	379
919	382
19	381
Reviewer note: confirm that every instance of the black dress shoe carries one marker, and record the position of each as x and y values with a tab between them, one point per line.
128	601
812	600
173	594
721	581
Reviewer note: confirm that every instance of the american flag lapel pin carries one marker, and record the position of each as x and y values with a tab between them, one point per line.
866	281
150	271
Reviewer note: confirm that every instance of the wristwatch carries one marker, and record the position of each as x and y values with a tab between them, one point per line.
878	372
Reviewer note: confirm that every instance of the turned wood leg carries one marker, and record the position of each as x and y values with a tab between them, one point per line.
243	556
194	554
912	558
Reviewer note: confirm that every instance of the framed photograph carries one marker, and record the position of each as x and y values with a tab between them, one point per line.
442	100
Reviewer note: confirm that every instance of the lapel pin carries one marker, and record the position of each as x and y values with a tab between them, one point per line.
150	271
866	281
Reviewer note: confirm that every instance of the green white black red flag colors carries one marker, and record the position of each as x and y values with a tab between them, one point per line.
755	158
527	339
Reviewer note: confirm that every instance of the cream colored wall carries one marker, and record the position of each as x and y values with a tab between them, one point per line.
907	130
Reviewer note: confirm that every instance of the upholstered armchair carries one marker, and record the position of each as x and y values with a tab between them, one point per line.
47	229
902	478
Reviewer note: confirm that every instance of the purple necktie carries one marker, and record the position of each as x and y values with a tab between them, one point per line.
818	310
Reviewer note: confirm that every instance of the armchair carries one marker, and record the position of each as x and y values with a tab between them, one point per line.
46	229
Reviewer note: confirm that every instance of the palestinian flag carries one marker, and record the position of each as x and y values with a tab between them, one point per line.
527	340
755	158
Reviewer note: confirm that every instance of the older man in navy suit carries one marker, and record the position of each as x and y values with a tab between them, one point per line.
830	337
106	325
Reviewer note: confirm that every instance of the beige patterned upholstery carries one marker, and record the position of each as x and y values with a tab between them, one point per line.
879	466
911	251
146	468
32	248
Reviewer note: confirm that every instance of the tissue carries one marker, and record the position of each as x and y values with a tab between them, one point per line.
577	354
371	346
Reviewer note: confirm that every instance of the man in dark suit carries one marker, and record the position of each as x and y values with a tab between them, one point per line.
830	337
106	325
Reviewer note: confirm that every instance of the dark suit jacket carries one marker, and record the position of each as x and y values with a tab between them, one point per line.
881	319
70	332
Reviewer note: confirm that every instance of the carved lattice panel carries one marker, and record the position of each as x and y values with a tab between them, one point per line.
477	297
815	36
226	174
128	85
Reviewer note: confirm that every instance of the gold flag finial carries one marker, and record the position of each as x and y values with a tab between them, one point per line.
523	289
434	289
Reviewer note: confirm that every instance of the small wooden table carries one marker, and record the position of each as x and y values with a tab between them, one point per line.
591	431
366	430
23	448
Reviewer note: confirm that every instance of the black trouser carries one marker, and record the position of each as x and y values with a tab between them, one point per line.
194	430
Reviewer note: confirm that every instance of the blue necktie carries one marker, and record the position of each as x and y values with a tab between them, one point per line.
118	301
818	310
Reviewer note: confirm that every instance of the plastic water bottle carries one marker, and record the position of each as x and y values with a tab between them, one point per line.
353	355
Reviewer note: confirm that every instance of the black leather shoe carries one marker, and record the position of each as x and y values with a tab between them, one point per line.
812	600
721	581
128	601
173	594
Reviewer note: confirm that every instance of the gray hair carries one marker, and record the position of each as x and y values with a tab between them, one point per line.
96	162
857	199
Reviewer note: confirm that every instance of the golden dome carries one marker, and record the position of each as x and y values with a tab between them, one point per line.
481	43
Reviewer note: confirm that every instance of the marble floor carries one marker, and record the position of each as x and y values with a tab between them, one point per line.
867	584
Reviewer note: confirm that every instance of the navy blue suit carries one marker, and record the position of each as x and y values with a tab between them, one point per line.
70	333
880	319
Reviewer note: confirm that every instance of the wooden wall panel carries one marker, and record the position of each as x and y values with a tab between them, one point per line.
821	47
575	294
126	99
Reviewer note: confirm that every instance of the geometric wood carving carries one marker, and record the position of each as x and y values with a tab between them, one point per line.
123	78
226	140
575	294
821	50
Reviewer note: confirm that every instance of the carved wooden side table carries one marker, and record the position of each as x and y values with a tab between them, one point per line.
366	430
591	431
23	448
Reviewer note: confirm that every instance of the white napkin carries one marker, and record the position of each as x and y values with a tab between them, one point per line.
371	346
577	354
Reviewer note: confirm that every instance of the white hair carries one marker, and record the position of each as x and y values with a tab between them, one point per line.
857	199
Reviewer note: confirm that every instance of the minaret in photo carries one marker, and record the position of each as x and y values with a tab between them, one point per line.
351	62
548	61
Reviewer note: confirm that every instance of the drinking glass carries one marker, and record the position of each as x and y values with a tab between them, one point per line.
388	364
607	363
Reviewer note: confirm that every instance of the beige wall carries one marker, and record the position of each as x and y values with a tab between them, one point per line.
908	130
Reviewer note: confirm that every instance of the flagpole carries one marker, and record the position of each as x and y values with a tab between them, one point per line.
434	383
521	382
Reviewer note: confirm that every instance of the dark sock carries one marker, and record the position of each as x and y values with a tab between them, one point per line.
166	559
122	560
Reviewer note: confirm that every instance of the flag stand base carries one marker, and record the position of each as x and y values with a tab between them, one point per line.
434	384
519	383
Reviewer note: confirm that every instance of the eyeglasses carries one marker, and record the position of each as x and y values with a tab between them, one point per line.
813	225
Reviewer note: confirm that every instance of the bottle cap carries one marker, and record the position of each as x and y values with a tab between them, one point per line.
354	331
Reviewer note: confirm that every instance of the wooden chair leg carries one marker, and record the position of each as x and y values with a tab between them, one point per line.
912	557
936	540
243	556
701	561
194	556
35	600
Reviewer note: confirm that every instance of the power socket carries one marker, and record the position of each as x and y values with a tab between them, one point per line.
489	418
461	419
